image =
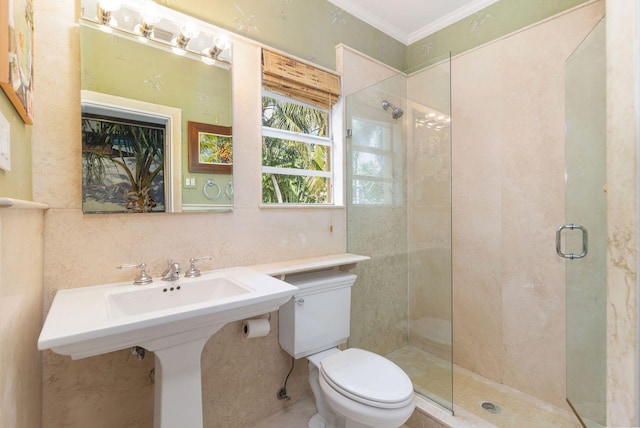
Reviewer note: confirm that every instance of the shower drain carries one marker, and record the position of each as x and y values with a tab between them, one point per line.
490	407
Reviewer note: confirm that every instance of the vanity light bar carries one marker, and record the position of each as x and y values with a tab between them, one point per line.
164	28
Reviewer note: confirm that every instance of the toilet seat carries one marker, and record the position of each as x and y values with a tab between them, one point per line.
367	378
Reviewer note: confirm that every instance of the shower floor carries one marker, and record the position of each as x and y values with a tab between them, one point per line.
431	377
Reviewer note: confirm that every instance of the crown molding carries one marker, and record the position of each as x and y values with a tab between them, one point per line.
403	36
372	19
449	19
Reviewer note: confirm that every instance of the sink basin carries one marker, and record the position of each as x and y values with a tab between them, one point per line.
88	321
173	319
163	296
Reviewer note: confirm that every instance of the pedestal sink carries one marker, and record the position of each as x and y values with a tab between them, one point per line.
172	319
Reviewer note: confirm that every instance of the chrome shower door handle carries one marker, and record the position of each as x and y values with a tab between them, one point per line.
585	241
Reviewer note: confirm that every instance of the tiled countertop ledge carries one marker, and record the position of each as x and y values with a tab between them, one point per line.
344	261
19	203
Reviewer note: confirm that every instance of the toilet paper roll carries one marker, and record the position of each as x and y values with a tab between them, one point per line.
255	328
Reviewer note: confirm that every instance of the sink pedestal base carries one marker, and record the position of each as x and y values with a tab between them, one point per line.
178	387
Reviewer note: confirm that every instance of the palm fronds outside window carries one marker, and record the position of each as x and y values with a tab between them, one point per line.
296	152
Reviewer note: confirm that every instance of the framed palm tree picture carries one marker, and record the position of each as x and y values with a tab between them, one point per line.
210	148
122	165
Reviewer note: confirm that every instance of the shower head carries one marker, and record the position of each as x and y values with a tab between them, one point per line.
396	112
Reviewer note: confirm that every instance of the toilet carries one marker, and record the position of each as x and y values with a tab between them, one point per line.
353	388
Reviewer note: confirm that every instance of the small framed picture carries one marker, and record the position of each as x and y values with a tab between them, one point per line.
210	148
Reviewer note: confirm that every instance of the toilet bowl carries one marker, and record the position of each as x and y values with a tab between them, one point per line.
357	388
353	388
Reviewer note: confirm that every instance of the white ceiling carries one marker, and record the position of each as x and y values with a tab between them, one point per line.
411	20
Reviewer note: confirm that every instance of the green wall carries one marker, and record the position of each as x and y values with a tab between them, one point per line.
495	21
308	29
311	29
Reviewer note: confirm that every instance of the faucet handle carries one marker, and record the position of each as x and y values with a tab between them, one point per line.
193	272
141	279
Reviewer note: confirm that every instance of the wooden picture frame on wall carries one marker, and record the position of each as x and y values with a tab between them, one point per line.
16	55
210	148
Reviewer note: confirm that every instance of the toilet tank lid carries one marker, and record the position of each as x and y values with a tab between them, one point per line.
321	278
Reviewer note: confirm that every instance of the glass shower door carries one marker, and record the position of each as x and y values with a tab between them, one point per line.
584	234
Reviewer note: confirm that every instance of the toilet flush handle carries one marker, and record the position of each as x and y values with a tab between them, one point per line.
299	301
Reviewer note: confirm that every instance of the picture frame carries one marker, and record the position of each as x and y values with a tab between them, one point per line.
16	55
210	148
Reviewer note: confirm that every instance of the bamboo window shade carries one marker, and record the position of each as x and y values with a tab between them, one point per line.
300	81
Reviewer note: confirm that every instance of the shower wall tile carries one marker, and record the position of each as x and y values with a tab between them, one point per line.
508	199
379	296
358	70
477	217
533	275
429	213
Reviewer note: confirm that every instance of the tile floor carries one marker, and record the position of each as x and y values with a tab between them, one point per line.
296	416
432	377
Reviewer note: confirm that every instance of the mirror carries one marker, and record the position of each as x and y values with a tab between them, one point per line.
145	68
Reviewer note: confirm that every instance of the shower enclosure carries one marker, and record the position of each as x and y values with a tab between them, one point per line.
404	195
399	213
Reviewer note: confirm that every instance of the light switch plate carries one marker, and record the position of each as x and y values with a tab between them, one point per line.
5	144
190	182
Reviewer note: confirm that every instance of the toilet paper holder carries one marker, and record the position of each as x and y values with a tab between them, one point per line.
256	327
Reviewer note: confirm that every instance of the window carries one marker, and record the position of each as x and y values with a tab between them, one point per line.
372	163
298	152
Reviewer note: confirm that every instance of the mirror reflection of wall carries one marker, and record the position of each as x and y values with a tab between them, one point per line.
125	67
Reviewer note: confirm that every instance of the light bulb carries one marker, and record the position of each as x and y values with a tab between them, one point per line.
221	42
151	16
109	5
189	31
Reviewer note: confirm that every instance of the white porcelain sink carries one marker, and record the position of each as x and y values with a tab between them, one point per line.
162	296
173	319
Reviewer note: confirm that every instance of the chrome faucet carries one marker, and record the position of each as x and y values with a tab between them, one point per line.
141	279
193	271
172	273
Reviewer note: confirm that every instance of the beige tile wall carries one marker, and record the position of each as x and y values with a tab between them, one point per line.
429	213
21	251
623	132
379	296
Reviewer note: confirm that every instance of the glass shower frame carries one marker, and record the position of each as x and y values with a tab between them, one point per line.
404	223
586	205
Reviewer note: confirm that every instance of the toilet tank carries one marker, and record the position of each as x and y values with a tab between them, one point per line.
317	317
